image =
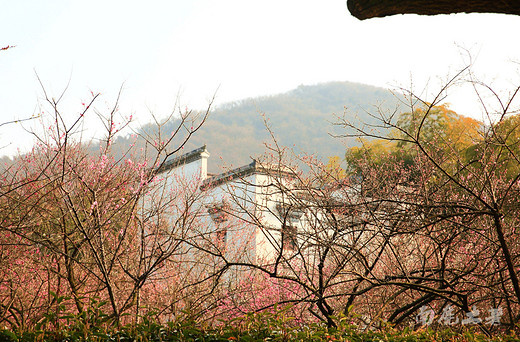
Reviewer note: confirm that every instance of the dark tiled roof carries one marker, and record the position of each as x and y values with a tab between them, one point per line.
183	159
214	180
241	172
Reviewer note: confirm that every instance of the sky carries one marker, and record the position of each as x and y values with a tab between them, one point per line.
163	53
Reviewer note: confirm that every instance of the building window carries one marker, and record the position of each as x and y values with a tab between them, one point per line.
222	236
219	213
289	217
288	213
289	240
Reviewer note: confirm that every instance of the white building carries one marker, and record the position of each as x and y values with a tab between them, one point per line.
244	215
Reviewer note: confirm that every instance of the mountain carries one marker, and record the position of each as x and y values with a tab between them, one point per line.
301	118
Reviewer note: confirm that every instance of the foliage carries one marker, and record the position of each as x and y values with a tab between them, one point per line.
78	232
334	169
429	227
453	199
420	232
250	327
440	130
301	118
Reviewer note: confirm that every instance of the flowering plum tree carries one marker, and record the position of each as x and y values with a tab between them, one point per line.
74	224
458	206
424	219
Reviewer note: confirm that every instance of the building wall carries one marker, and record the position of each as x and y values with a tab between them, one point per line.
247	205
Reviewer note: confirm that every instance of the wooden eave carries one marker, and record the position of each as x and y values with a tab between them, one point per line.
366	9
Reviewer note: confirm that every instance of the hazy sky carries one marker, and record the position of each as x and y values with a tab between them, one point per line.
236	48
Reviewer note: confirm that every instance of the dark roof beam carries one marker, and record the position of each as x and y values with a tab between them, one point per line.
366	9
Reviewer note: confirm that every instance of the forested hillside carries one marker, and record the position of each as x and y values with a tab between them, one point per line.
302	118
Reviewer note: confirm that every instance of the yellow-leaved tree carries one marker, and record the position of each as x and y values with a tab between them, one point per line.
441	132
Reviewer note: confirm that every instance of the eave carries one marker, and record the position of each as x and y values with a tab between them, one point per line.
366	9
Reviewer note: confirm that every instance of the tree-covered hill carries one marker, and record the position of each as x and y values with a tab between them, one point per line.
302	118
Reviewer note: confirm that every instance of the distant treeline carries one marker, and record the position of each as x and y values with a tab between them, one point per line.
302	118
